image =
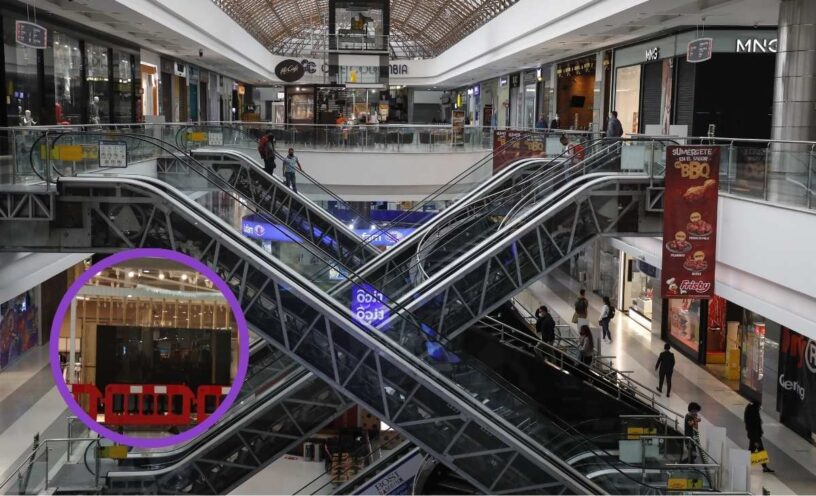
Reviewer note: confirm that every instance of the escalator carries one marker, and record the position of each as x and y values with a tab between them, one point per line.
498	399
496	453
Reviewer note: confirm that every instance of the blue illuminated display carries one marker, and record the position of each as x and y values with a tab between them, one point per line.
367	305
256	229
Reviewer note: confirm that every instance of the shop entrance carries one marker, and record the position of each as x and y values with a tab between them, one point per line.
576	93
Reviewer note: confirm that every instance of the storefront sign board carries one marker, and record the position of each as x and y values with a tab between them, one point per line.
289	70
796	391
31	35
690	221
700	50
523	144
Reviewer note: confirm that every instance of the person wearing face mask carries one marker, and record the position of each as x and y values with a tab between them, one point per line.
290	161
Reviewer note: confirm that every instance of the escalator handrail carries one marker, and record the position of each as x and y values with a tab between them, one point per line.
289	384
389	349
510	233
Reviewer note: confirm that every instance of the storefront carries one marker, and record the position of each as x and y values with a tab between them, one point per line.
654	85
575	93
796	391
76	78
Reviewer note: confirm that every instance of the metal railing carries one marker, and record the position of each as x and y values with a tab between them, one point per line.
34	475
564	353
776	171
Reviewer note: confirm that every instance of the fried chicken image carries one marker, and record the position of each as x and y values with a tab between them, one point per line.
696	194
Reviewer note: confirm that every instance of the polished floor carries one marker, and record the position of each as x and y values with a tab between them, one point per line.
636	349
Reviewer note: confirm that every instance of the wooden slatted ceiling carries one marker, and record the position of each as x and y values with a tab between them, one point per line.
419	28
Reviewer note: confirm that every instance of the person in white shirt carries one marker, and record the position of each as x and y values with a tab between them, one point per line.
606	315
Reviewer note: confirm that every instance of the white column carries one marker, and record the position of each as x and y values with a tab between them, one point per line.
69	377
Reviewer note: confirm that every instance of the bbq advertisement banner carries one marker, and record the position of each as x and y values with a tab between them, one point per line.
690	221
796	391
527	144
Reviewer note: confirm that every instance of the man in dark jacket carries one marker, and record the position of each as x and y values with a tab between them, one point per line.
753	426
545	325
614	128
665	369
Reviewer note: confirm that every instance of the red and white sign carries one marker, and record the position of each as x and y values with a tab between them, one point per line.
690	221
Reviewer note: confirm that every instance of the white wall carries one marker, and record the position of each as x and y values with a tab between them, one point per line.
372	176
766	260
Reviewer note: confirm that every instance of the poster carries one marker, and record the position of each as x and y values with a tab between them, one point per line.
690	221
525	144
367	305
19	330
796	394
749	177
112	154
458	125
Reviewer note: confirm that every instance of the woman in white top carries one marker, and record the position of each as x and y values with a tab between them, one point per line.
606	316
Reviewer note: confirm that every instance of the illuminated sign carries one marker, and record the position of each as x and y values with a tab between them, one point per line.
258	229
757	45
652	54
367	305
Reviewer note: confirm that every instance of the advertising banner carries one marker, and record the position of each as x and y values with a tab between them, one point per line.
750	171
367	305
527	144
796	394
690	221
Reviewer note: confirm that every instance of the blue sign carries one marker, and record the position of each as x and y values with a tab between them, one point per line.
254	228
367	305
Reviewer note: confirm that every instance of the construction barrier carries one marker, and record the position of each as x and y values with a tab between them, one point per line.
150	404
208	399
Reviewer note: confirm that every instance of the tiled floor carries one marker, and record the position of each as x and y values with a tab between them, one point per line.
29	404
636	349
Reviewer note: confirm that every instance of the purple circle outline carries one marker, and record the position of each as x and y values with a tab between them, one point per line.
243	346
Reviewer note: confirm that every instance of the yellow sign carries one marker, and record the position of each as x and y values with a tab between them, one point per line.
113	452
68	153
637	432
759	457
683	484
198	136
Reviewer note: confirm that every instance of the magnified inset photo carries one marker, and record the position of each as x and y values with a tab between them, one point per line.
148	348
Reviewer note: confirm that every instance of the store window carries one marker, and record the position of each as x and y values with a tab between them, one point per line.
67	79
123	76
98	77
627	97
796	398
643	288
22	91
684	322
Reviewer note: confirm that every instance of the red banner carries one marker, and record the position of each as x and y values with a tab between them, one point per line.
525	144
690	221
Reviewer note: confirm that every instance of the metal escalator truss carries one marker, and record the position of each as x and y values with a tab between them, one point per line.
526	249
304	407
399	388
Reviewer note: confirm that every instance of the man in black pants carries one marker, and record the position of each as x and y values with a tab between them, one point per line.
665	369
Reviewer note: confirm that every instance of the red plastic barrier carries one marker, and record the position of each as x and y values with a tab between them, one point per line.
147	404
217	393
91	392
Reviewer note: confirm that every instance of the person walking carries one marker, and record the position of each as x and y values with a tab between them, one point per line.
545	325
614	128
607	314
586	346
665	369
289	169
691	424
753	427
581	309
266	148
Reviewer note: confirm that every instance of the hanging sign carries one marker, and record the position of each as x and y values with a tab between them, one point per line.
690	221
700	50
112	154
31	35
289	70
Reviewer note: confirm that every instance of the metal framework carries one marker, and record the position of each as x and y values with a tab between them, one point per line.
26	205
493	449
419	28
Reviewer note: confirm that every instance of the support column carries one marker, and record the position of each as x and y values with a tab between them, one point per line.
794	107
72	334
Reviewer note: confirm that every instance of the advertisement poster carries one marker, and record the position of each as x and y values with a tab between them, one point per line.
749	177
19	330
367	305
690	221
796	394
525	144
458	125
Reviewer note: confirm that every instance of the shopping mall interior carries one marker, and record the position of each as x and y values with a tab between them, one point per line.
408	247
